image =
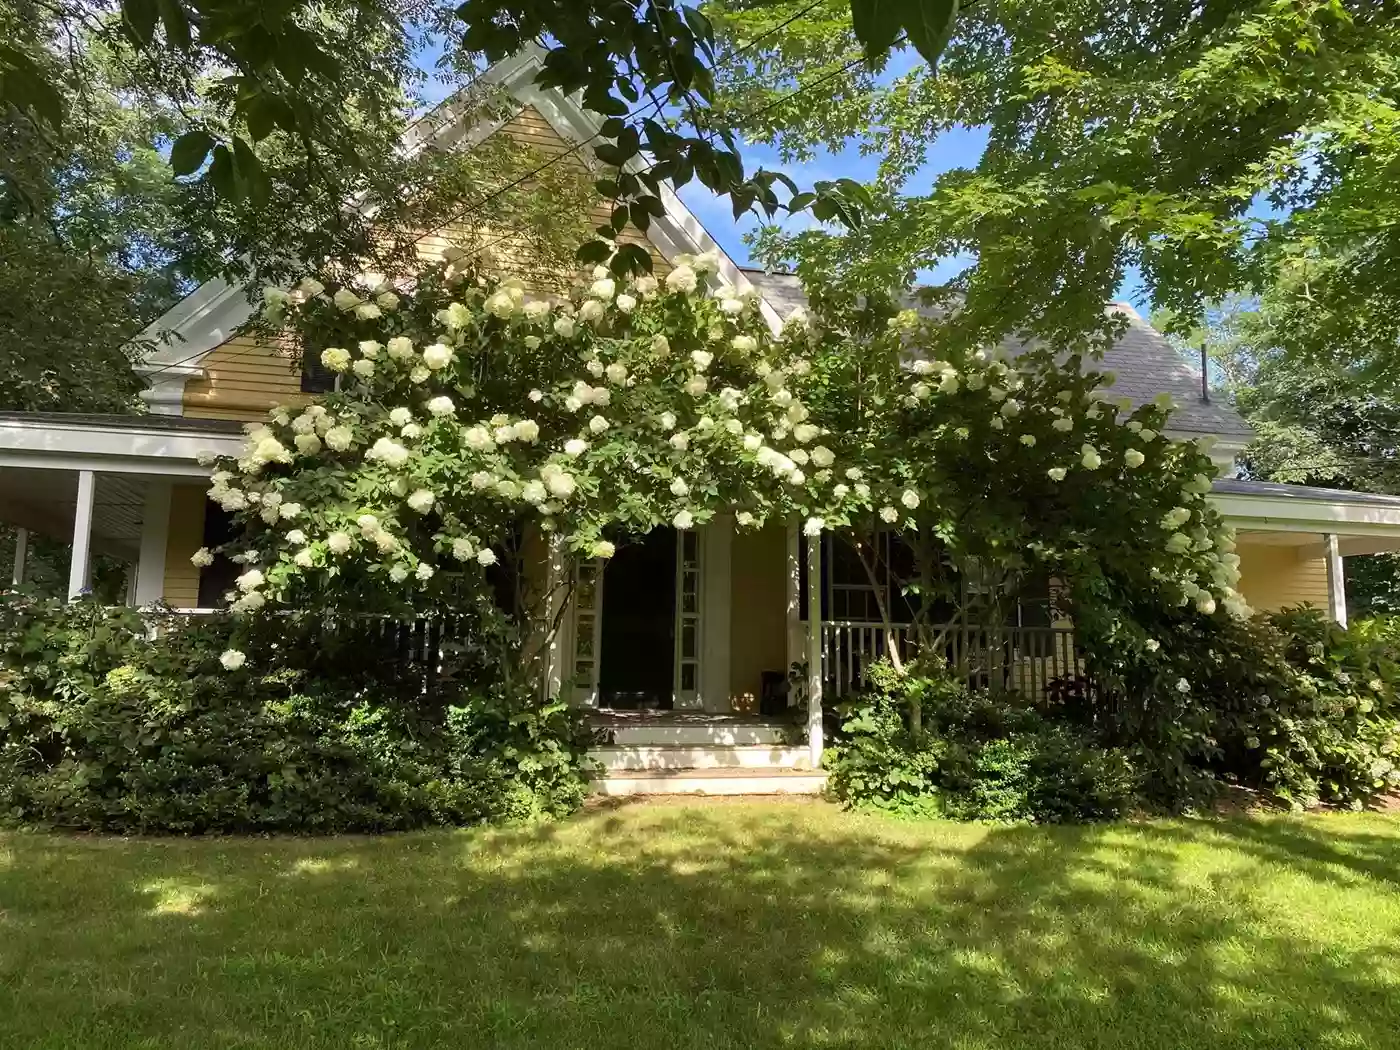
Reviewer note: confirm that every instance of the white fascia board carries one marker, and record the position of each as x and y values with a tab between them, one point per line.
134	450
1296	514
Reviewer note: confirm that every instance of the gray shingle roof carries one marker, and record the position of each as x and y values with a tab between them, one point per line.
1237	487
116	421
1144	362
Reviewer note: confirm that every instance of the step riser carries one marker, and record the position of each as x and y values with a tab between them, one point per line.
702	785
697	736
754	757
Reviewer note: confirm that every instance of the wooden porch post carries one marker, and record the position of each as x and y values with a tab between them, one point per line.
155	530
80	565
1336	581
814	649
21	554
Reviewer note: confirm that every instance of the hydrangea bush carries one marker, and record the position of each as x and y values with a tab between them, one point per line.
474	421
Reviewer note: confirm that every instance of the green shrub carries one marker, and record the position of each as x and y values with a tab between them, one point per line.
975	756
105	727
1287	703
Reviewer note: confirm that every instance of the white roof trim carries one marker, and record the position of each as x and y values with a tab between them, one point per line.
129	450
1270	513
211	314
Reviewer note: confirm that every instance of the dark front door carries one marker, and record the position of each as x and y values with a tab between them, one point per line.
638	629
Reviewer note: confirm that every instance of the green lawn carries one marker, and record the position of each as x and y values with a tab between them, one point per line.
708	926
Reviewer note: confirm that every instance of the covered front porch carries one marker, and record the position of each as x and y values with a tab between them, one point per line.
108	485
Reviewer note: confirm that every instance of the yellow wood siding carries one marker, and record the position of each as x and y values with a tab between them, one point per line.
185	536
244	379
1273	577
758	614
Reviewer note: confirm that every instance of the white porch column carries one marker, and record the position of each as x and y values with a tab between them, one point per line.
557	635
155	528
814	649
80	565
21	554
1336	581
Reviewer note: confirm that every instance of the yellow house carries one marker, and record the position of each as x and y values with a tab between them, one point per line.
711	620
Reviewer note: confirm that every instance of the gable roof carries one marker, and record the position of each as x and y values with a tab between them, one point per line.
1144	363
212	314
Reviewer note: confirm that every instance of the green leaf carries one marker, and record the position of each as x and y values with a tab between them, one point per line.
929	25
877	24
139	17
222	175
593	252
25	85
260	118
177	24
190	150
631	258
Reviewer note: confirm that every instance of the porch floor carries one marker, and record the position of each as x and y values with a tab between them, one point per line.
611	718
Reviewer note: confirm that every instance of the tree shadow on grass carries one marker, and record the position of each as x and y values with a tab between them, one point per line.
707	927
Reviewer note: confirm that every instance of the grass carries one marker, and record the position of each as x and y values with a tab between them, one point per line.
712	926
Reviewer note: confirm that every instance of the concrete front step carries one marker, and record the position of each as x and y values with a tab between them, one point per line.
681	756
717	734
712	782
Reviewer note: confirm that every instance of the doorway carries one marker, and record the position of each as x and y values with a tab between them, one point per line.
638	625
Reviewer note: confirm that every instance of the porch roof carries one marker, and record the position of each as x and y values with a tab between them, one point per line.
161	445
1301	515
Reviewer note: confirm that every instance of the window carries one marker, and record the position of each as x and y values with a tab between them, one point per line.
216	579
316	378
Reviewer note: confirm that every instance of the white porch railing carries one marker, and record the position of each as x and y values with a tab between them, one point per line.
1023	659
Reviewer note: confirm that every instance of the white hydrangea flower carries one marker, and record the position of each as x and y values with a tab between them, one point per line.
660	345
616	372
400	416
478	439
438	355
503	434
1178	543
560	483
364	368
338	439
389	451
1028	440
889	515
679	488
1063	425
526	430
804	432
564	327
920	391
1133	458
400	348
668	420
575	447
744	519
645	285
296	537
683	519
202	558
367	311
731	307
507	489
462	549
603	288
422	500
287	511
706	262
822	456
536	310
1057	473
336	358
840	491
752	442
486	556
597	424
796	477
483	479
701	359
680	442
799	456
603	549
345	300
626	303
232	659
696	385
813	527
338	542
910	499
250	580
419	375
1010	407
441	406
501	303
592	311
1147	434
682	279
595	368
398	572
387	301
734	427
304	558
1089	456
